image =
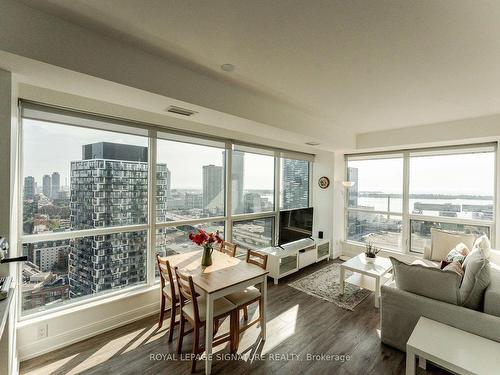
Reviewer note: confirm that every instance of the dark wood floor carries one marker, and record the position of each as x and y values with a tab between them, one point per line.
298	325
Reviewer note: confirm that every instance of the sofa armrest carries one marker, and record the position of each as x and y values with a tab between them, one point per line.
401	310
492	293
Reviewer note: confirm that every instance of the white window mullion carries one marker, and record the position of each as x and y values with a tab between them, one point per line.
277	196
151	253
406	204
228	234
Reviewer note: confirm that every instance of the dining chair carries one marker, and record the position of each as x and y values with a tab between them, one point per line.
193	310
170	292
228	248
246	297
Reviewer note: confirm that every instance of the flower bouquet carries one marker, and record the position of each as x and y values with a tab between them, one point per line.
207	240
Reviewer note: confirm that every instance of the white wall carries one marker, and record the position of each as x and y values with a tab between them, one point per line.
322	199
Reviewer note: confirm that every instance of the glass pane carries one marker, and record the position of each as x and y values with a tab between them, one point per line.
175	240
378	184
459	185
192	179
421	232
60	272
253	234
253	182
381	230
294	183
78	178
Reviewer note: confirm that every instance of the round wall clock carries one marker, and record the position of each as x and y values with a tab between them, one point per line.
324	182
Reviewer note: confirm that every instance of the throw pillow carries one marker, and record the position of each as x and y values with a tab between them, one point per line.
429	282
458	253
476	279
455	267
442	241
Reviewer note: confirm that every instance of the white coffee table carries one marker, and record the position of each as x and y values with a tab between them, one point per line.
451	348
366	275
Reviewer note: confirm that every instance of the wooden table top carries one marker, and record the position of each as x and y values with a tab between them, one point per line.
224	272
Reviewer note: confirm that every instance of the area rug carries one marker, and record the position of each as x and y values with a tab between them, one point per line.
324	284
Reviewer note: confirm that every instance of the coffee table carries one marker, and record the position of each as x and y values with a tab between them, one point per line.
366	275
451	348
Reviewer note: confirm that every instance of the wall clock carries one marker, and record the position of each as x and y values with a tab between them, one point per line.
324	182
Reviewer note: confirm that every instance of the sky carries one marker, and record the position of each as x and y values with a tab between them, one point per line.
49	147
447	174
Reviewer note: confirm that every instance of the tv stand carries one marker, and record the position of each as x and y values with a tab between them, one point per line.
289	258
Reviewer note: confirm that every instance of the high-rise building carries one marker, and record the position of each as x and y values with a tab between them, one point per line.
110	192
238	166
213	189
352	175
55	186
46	186
29	187
295	182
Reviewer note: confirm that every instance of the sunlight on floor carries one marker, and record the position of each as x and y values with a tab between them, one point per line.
279	329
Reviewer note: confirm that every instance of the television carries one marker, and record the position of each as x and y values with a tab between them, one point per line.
295	225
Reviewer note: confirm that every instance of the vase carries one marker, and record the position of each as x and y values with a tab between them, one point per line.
206	259
369	260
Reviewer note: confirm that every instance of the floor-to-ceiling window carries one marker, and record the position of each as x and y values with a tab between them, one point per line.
397	197
101	197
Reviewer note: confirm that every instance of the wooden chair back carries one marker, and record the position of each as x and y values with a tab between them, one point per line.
253	257
187	291
228	248
166	275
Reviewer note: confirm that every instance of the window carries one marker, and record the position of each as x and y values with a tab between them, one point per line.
193	180
92	174
294	183
253	234
448	188
374	201
78	178
175	240
379	229
457	184
252	182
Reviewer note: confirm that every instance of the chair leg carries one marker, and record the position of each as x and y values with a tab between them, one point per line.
181	335
245	312
162	311
196	345
216	326
172	321
261	317
235	331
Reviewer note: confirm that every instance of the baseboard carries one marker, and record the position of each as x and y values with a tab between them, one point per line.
52	343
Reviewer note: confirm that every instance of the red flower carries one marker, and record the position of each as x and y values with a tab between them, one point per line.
202	237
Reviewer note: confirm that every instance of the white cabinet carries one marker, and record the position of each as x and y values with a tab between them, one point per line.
291	257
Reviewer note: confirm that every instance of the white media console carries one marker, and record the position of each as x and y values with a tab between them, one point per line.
293	256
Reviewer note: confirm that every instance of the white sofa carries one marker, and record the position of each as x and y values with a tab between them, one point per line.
401	310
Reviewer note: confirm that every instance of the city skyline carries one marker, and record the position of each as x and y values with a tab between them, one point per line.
62	144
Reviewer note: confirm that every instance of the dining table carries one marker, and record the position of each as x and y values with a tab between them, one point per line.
226	275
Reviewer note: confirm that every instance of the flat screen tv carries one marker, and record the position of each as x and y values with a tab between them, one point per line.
295	225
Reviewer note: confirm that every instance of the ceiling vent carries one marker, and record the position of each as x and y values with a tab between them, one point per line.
180	111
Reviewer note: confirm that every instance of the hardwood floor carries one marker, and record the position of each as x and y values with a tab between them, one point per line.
298	325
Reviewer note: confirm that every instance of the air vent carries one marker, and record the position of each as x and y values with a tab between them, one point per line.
180	111
312	143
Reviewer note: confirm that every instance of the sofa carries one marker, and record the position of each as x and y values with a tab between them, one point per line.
401	310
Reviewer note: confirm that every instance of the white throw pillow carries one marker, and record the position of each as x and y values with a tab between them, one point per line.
442	242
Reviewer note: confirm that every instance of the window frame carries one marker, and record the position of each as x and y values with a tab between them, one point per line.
405	215
153	134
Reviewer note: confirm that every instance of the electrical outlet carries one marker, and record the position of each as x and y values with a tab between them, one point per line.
43	331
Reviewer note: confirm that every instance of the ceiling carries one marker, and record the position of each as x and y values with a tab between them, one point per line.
363	65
